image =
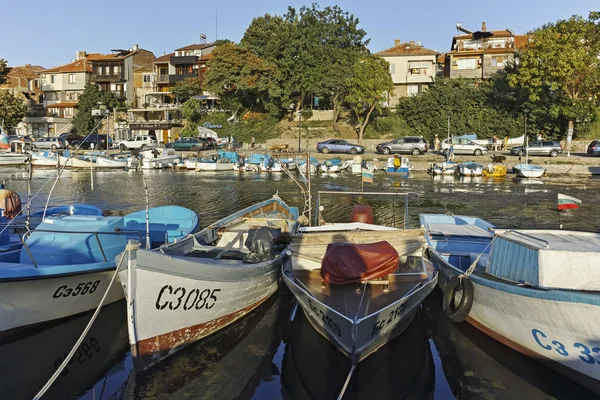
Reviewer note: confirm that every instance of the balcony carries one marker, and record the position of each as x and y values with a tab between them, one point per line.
161	78
120	95
35	110
107	78
179	77
183	60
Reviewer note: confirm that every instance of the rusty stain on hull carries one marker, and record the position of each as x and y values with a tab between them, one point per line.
150	351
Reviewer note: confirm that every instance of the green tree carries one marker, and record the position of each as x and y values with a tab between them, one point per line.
190	110
559	69
91	98
4	69
12	109
367	86
469	108
242	79
187	88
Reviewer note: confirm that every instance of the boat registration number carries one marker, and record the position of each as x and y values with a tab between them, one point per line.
174	298
81	289
392	316
586	353
329	323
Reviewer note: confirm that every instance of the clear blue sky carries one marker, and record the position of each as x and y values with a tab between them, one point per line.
48	33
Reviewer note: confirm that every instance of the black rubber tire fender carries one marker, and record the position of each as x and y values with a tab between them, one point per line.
463	309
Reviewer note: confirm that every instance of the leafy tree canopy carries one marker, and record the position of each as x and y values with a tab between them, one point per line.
560	68
4	69
367	87
12	109
469	107
187	88
91	98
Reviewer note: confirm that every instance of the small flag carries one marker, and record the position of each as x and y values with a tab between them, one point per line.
367	176
565	202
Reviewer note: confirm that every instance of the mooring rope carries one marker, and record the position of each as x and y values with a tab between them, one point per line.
62	366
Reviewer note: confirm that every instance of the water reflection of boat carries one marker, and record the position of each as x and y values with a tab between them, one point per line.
312	368
477	366
528	181
29	359
224	365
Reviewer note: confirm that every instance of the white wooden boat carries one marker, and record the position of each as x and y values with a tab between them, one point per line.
112	161
364	314
333	165
529	170
12	158
44	159
65	266
470	169
404	168
158	158
214	162
75	162
444	168
537	291
236	354
187	290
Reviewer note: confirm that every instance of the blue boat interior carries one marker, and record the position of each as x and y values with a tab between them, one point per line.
79	243
256	158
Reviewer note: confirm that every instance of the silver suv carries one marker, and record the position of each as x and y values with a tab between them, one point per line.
414	145
550	148
49	143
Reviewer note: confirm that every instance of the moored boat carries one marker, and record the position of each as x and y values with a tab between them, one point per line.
12	158
112	161
444	168
495	171
45	159
187	290
393	169
529	170
333	165
532	290
373	298
470	169
65	265
215	162
157	158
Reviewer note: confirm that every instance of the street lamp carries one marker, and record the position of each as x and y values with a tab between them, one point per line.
299	129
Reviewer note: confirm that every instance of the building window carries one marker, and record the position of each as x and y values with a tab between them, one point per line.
147	78
116	70
466	63
72	78
498	61
413	90
419	67
392	68
52	78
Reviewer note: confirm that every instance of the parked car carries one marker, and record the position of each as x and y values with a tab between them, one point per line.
49	143
98	139
550	148
139	142
462	146
187	144
414	145
70	137
339	146
594	148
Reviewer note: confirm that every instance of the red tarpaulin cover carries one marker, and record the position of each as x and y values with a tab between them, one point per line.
347	262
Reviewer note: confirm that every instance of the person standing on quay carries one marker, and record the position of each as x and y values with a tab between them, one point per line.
495	143
436	144
505	144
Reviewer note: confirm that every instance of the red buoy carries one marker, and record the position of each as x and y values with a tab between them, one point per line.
362	213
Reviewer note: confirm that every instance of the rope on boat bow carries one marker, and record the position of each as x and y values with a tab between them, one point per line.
471	268
62	366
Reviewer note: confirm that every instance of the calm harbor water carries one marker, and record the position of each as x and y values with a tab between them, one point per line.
268	354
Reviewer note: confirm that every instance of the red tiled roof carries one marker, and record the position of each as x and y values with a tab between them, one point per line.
406	49
76	66
164	58
521	41
199	46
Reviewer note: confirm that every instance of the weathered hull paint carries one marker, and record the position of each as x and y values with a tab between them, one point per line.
535	326
28	302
